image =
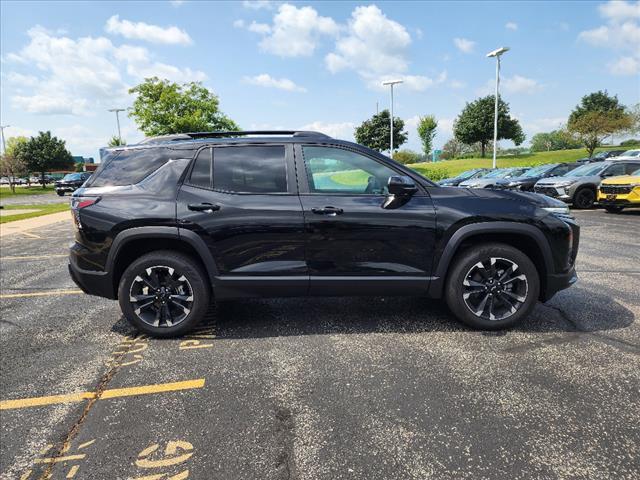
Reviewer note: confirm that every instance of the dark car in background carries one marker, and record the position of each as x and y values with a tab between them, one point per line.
170	224
71	182
608	154
463	177
526	181
579	187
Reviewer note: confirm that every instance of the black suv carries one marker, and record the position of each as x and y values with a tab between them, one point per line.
176	221
70	182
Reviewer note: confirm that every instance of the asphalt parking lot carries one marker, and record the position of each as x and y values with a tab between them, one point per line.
322	388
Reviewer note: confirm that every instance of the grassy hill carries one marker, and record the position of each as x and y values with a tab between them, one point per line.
450	168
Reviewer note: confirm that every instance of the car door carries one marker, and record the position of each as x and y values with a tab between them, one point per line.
243	202
359	239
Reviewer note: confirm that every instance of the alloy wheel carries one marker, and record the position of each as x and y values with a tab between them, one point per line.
584	198
161	297
495	289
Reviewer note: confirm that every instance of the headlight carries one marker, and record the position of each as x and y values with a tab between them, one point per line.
564	184
560	212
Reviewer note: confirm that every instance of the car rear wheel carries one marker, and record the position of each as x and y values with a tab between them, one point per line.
164	294
492	286
60	193
584	198
613	209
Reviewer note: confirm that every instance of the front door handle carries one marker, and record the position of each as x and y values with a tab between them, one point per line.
331	211
203	207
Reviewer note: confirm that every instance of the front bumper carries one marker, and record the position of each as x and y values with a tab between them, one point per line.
561	193
631	199
65	188
558	281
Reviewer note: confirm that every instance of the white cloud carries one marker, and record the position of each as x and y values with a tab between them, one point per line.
457	84
464	45
621	33
85	75
511	26
544	124
341	130
266	80
238	23
514	84
176	3
625	66
149	33
258	4
16	131
22	80
295	32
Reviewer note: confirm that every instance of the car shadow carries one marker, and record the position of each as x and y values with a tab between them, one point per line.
581	311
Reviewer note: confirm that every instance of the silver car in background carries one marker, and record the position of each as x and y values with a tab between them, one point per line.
489	180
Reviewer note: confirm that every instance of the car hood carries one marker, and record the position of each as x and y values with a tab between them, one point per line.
556	180
479	181
504	181
536	199
622	180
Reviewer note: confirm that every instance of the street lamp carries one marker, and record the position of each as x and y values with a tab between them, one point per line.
391	83
118	110
4	146
496	53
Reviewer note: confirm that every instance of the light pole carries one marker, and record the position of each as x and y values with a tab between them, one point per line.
391	83
118	110
496	53
4	146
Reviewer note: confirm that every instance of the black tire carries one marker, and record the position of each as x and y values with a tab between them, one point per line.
180	302
510	293
584	198
613	209
60	194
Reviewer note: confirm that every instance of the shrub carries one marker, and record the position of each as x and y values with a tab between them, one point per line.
432	172
632	142
407	156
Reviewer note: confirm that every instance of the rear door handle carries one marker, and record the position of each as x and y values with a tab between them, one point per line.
331	211
203	207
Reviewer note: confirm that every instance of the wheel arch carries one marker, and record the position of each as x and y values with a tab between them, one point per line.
526	238
135	242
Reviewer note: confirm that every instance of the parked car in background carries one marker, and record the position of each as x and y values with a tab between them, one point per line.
579	187
490	179
608	154
167	226
463	177
71	182
38	179
617	193
528	179
629	155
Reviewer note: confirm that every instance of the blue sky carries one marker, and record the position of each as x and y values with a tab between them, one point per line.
314	65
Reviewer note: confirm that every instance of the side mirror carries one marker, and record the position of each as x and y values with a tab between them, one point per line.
401	185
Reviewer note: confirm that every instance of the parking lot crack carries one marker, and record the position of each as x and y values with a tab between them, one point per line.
75	427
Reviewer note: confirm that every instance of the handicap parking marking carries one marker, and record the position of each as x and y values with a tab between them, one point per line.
63	456
50	293
106	394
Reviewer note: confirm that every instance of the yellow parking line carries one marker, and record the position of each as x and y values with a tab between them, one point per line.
113	393
41	294
34	257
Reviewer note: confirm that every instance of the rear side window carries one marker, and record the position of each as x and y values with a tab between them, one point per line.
201	173
250	169
129	167
631	167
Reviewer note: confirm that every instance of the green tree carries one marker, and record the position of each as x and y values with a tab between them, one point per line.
427	131
162	107
12	165
44	153
597	116
475	123
407	156
555	140
116	141
374	133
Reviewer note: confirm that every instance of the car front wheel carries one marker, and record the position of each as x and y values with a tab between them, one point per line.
584	198
613	209
164	293
492	286
60	193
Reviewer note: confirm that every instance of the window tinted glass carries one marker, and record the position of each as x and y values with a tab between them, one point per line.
585	170
250	169
333	170
560	170
201	173
614	170
128	167
72	176
630	168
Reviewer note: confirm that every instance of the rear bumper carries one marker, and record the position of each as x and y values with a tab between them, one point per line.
90	282
558	281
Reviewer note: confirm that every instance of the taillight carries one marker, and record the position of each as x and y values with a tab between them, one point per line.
77	204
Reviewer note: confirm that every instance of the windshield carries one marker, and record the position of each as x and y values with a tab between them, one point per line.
636	173
539	170
631	153
72	176
586	170
498	173
468	174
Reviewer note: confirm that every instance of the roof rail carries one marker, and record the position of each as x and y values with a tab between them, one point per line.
222	134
